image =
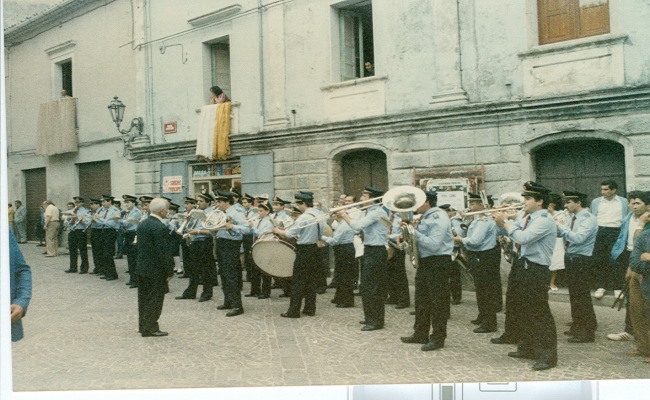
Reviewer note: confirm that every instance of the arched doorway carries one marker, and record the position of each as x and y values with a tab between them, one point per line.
580	165
362	168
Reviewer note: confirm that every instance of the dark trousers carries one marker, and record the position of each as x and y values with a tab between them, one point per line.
120	238
578	270
398	284
486	270
324	266
432	298
187	263
373	284
151	295
533	316
96	246
202	261
249	265
603	269
455	282
108	252
304	280
622	263
131	252
230	270
346	268
78	246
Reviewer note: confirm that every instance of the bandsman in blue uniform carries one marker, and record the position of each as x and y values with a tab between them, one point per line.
375	271
579	234
77	239
261	226
346	267
96	236
435	244
398	285
129	223
189	203
534	236
108	216
250	213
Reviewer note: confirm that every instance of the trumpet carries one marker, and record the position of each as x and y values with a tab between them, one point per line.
487	214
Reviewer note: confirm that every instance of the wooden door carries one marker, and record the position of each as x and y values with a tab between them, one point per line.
95	179
35	194
364	168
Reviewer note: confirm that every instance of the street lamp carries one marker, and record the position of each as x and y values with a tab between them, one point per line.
116	109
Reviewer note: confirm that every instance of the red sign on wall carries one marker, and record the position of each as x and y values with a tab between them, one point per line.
169	127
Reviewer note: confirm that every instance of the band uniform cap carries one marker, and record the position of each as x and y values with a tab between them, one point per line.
236	193
295	210
446	207
280	201
473	197
205	196
533	188
248	197
128	197
572	194
431	195
262	197
308	193
146	199
224	196
303	197
78	198
107	197
166	198
264	206
174	206
189	200
373	191
95	201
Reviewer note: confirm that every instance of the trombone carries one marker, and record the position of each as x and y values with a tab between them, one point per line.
487	214
332	211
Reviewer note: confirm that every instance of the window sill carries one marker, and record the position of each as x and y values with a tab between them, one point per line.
353	82
576	44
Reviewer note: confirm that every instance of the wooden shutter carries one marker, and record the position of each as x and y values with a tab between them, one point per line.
561	20
594	17
257	173
348	42
94	178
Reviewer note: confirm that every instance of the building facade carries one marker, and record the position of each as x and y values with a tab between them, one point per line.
330	95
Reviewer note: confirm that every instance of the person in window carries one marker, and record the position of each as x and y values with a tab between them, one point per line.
369	68
217	95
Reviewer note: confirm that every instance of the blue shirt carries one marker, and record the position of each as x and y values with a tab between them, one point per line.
262	226
83	218
240	225
538	239
583	235
281	219
433	234
375	233
343	234
642	245
132	214
107	218
20	282
306	234
481	235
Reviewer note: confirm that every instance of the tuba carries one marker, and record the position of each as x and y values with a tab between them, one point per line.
403	200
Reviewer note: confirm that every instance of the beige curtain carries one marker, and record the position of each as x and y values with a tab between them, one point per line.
57	127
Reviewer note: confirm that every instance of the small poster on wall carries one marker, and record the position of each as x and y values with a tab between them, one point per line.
172	184
452	191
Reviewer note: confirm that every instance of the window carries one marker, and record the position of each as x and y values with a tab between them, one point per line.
355	41
561	20
220	56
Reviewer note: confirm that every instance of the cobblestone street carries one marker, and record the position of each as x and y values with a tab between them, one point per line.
81	334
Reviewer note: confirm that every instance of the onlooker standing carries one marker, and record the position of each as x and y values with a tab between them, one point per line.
11	216
640	281
40	232
609	209
51	227
20	222
21	287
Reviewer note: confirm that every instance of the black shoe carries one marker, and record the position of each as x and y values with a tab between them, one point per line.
344	305
185	298
455	302
287	315
581	339
389	301
204	298
366	328
235	312
251	295
94	273
476	321
334	301
223	307
155	334
117	258
136	286
111	278
542	365
128	283
263	296
83	272
321	290
70	271
432	346
484	329
332	285
522	354
412	312
309	313
184	276
413	339
284	295
569	333
401	306
364	322
503	340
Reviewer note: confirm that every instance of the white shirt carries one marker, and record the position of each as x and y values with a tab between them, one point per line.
610	213
634	222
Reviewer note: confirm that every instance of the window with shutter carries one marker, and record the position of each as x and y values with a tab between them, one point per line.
562	20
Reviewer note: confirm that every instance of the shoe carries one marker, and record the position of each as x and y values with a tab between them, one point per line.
309	313
155	334
332	285
50	256
263	296
321	290
432	346
235	312
522	354
413	339
553	289
136	286
287	315
251	295
484	329
283	295
390	301
364	322
128	283
617	293
112	278
344	305
70	271
94	273
569	333
40	245
334	301
184	298
476	321
223	307
620	337
402	306
204	298
184	276
579	339
45	252
503	340
117	258
366	328
455	302
542	365
599	293
83	272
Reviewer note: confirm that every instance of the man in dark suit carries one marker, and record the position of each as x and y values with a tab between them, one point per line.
154	268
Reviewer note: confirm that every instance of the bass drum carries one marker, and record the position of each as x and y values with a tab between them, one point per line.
274	256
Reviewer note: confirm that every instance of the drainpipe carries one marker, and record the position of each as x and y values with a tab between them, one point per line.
261	56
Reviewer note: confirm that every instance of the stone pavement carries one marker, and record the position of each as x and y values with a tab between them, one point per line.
81	334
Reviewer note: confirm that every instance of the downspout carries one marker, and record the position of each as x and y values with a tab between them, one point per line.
261	57
148	71
460	51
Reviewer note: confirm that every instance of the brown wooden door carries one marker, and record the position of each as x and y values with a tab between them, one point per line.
364	168
581	165
35	194
95	179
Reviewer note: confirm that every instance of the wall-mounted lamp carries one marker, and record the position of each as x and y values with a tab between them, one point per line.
116	109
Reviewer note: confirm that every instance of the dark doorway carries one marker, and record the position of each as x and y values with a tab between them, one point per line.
94	178
580	165
364	168
35	194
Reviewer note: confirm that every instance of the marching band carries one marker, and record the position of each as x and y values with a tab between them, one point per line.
274	238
